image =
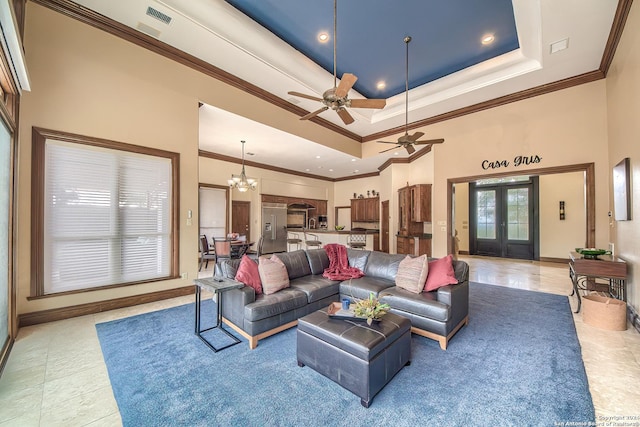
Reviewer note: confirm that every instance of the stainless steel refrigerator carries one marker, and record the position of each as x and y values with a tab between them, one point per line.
274	228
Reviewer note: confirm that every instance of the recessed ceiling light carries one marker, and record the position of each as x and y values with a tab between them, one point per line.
396	154
488	39
381	85
317	157
323	37
307	170
330	170
356	171
353	160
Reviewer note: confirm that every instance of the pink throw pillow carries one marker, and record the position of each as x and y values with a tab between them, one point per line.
248	274
412	273
273	274
440	274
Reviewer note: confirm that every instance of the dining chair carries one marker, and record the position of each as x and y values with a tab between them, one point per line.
222	248
206	253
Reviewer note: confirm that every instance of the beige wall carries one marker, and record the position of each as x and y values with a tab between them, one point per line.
623	106
562	128
87	82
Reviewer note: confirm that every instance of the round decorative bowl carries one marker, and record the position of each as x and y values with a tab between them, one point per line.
339	227
592	253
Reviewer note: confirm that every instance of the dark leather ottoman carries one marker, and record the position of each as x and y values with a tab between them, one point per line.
359	357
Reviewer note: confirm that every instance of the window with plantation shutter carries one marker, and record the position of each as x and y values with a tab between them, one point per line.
106	217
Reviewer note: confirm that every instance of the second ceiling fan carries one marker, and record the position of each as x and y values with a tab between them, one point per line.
408	141
336	98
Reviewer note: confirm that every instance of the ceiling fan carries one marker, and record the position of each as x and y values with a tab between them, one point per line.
336	97
408	141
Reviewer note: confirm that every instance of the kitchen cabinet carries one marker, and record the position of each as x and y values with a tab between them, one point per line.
413	246
365	210
420	199
408	226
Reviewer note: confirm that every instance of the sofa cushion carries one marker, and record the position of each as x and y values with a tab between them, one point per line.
424	304
316	287
385	266
358	258
296	262
266	306
229	268
248	274
273	275
318	260
441	273
362	287
412	273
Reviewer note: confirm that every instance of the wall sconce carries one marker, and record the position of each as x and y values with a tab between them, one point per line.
561	210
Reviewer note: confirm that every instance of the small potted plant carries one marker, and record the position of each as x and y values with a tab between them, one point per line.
370	308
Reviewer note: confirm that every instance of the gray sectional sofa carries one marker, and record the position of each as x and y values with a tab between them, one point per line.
437	315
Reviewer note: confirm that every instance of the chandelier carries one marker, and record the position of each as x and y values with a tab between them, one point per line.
241	182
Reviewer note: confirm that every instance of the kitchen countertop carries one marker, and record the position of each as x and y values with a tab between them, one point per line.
327	231
418	236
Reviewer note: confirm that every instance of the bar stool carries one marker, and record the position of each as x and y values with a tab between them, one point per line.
311	241
293	239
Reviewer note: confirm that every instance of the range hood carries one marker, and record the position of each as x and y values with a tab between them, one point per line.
300	206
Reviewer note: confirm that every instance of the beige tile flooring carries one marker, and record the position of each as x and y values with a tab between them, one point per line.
56	376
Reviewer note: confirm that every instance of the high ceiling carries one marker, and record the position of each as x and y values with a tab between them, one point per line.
273	45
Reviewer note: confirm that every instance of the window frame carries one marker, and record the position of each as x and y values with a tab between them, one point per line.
39	138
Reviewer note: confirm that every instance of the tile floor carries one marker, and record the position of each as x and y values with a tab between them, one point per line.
56	376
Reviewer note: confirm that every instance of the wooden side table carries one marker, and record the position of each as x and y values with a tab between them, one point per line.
218	286
584	272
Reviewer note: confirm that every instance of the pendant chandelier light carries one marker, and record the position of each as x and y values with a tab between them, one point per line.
241	182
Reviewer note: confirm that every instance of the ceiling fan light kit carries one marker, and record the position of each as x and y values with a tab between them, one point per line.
337	98
241	182
408	141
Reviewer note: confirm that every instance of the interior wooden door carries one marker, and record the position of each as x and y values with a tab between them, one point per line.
384	227
241	218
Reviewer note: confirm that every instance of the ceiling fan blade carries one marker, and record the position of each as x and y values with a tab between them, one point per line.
389	149
430	141
346	83
416	136
302	95
345	116
368	103
315	113
410	148
388	142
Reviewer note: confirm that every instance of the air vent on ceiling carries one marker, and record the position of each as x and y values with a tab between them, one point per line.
158	15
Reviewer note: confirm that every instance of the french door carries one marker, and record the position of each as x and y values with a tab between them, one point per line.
504	220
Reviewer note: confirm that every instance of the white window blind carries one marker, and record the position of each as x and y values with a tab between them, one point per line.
106	217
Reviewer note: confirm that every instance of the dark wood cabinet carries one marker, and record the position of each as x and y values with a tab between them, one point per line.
404	245
408	226
365	210
407	245
420	202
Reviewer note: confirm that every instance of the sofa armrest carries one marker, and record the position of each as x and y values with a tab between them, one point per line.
233	304
456	297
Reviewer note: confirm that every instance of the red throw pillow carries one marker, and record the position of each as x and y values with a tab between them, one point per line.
440	274
248	274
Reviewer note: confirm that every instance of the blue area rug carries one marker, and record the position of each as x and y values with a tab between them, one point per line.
518	362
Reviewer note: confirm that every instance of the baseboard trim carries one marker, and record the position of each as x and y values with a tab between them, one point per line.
556	260
634	317
44	316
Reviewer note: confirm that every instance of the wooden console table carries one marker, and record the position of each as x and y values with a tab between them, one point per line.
584	272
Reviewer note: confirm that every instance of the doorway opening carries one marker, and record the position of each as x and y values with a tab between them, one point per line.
583	207
504	220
